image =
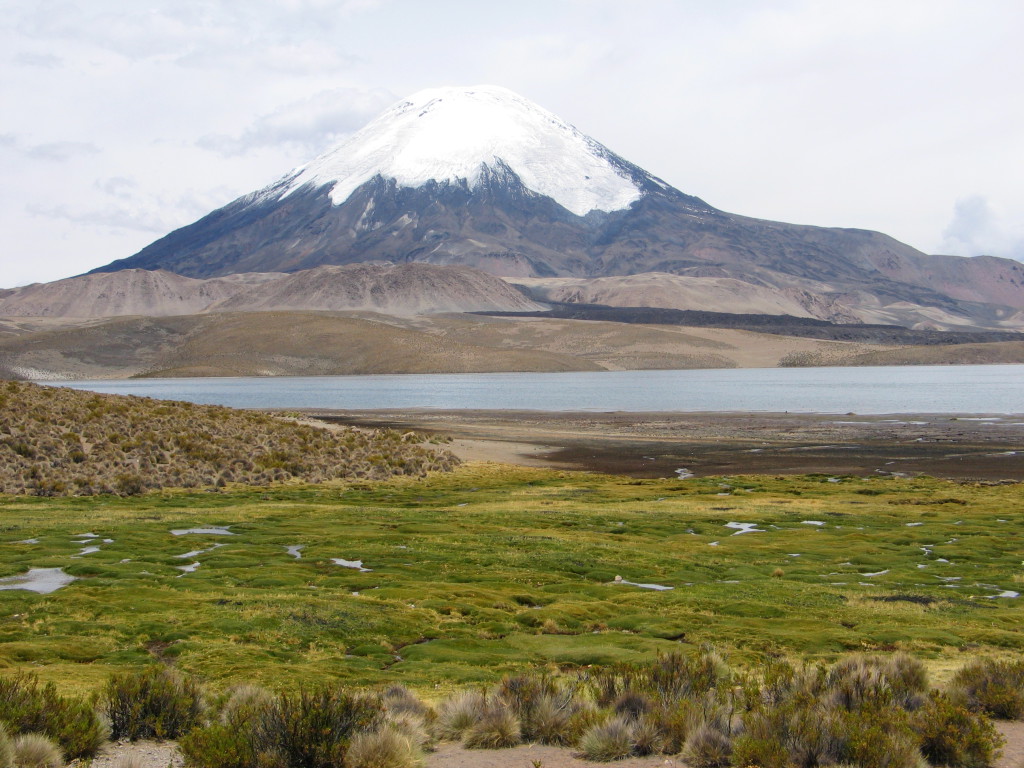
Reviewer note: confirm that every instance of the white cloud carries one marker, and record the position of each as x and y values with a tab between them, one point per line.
875	114
311	124
976	228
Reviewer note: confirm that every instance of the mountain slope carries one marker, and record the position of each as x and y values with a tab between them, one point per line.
481	177
405	289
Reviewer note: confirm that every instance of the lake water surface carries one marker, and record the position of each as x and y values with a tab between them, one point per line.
968	389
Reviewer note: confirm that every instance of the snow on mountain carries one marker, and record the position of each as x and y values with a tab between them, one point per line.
454	134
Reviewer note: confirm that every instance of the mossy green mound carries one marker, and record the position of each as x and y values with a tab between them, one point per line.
485	571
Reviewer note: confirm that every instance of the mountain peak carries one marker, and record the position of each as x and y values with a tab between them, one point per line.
455	134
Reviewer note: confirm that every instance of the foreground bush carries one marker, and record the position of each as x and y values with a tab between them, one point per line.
27	706
993	687
156	703
308	729
954	736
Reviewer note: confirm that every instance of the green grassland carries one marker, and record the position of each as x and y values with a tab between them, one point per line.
488	570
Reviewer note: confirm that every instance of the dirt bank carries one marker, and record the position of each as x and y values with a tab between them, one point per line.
983	447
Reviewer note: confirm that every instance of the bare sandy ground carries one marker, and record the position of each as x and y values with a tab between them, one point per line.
983	447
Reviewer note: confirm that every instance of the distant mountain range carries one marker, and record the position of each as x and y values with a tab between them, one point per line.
482	178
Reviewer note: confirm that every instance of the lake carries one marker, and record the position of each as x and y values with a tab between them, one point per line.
978	389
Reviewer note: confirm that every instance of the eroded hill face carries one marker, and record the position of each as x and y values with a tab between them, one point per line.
396	289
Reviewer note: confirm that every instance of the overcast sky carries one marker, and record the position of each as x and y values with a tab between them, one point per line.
122	120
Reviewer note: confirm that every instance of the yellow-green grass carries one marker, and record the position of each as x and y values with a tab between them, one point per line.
489	570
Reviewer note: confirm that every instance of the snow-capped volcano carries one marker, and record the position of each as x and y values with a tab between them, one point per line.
456	135
482	177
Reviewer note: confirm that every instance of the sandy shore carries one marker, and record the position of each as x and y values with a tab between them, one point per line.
983	447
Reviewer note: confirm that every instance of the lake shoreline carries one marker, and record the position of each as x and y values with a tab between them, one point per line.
969	447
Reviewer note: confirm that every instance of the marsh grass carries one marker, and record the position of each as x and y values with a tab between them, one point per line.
468	569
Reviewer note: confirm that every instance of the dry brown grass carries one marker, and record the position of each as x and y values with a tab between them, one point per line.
61	442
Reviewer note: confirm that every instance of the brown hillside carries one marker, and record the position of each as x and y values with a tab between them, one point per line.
334	343
1002	352
62	442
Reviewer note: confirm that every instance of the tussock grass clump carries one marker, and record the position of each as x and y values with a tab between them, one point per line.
607	741
399	699
6	747
34	750
61	442
384	748
993	687
413	727
157	702
707	747
458	713
28	706
497	727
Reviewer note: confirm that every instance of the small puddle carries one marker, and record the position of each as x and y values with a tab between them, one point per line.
190	568
812	522
212	531
196	552
86	551
744	528
356	564
40	580
1005	593
876	573
658	587
296	550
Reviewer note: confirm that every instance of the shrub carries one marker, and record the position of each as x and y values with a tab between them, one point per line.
30	707
610	740
878	737
496	728
316	726
309	729
674	676
748	750
384	748
157	703
707	747
993	687
952	735
34	750
901	678
218	746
